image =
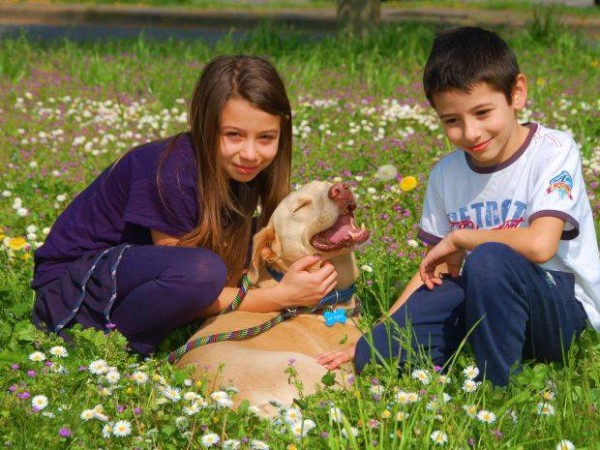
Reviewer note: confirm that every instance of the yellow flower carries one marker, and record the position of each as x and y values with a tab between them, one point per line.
386	414
541	82
199	384
291	447
17	243
595	63
408	183
2	236
129	391
26	257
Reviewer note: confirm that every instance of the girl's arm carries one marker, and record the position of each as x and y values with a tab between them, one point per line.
299	287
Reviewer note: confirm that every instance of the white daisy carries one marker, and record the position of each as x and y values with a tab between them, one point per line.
545	409
421	375
231	444
87	414
190	396
107	430
210	439
194	408
471	372
336	414
470	385
292	415
486	416
113	376
171	393
439	437
37	357
122	428
255	444
565	444
139	377
59	351
98	367
39	402
471	410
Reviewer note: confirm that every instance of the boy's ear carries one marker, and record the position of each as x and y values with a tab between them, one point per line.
266	247
519	92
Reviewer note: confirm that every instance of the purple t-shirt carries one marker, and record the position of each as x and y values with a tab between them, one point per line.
123	204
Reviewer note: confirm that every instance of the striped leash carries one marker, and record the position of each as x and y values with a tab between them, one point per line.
245	333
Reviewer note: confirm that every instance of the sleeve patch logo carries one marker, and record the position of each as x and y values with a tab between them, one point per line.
561	183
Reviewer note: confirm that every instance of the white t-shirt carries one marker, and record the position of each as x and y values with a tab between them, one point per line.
543	178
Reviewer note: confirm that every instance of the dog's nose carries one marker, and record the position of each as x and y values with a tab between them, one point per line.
341	194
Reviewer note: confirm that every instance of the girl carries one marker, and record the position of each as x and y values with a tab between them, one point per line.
161	237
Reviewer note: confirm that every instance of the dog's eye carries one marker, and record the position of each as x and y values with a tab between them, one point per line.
301	204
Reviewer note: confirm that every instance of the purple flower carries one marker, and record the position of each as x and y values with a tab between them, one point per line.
111	326
137	411
245	440
291	361
15	366
31	373
374	381
471	442
594	184
12	388
325	434
24	395
64	432
498	434
48	363
120	408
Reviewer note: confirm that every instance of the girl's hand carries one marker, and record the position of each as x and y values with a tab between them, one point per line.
333	360
446	251
299	287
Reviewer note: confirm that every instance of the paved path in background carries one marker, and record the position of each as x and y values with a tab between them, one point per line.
89	22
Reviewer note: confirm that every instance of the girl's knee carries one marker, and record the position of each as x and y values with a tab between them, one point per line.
200	273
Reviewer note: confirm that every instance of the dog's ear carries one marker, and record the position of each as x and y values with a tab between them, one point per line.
266	247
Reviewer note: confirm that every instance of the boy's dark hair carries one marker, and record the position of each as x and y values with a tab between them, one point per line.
463	57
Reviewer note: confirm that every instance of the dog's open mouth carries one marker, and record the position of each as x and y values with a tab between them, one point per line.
343	233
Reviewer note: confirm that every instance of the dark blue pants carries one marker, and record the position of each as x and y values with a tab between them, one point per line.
157	288
510	308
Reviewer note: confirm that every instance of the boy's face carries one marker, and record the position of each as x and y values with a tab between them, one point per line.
482	123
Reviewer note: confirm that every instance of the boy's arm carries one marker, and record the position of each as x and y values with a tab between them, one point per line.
538	243
451	266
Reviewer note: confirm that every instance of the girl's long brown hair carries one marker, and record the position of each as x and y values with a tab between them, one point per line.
227	207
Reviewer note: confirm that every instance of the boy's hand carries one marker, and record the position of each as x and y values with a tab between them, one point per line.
333	360
444	252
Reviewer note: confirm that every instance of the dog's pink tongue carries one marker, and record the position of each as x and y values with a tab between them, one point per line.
340	230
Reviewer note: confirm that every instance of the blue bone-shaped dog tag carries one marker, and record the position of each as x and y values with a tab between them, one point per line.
335	316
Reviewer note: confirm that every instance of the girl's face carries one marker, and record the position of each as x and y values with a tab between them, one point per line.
248	140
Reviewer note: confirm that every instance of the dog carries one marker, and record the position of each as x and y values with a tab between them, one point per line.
318	218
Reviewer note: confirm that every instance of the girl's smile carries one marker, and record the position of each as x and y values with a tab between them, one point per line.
249	139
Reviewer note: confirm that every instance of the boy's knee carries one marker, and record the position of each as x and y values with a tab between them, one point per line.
488	258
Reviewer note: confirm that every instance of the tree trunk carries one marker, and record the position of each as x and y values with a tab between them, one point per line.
358	17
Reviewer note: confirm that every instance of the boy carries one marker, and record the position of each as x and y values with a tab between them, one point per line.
512	198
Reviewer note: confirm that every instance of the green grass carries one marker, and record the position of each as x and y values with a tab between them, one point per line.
68	110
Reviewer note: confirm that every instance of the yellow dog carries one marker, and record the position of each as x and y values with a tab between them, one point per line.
318	218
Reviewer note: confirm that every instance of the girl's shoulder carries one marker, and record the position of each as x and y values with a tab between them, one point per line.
173	156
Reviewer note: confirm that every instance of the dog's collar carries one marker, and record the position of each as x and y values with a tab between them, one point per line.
333	298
